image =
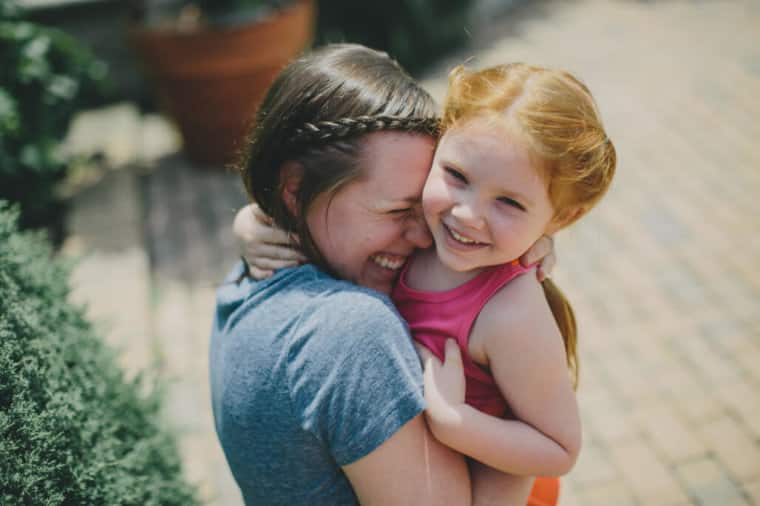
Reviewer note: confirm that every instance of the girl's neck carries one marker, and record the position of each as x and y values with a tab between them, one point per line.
428	273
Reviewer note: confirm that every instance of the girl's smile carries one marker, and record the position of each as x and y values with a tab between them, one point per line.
485	200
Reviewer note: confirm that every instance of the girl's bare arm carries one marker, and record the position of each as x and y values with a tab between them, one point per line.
264	246
527	358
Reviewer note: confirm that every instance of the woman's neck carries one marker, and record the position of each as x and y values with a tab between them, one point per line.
428	273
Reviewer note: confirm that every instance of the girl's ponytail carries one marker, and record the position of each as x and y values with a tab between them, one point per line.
565	318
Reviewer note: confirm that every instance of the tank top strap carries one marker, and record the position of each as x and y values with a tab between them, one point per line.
487	284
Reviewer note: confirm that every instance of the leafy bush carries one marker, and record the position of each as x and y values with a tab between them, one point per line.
412	31
72	430
45	77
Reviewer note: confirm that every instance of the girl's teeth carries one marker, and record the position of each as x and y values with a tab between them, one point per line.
392	264
461	238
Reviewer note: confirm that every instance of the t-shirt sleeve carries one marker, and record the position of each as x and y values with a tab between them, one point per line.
353	374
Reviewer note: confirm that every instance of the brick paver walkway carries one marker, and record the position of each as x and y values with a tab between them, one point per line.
664	275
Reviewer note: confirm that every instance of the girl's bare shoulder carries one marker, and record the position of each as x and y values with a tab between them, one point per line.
515	313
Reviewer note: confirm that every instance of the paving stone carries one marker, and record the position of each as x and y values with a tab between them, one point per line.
567	494
706	482
670	435
733	447
752	490
743	400
606	494
649	479
594	466
112	274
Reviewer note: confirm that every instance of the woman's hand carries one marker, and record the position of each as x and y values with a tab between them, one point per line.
264	246
444	383
542	251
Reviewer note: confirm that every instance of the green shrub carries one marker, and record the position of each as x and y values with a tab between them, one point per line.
45	77
72	430
414	32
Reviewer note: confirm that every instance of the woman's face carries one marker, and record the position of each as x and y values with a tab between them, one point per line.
369	228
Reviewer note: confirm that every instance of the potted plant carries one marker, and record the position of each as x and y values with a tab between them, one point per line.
212	61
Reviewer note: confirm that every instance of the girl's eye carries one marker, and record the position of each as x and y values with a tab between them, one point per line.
404	210
456	174
511	202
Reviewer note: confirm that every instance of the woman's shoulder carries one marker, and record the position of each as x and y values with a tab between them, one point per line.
340	303
342	322
310	294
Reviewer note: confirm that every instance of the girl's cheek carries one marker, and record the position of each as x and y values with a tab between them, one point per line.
430	193
435	200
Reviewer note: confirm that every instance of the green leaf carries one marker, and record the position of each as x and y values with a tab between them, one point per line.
9	117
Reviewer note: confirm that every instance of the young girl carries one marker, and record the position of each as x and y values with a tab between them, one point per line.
522	154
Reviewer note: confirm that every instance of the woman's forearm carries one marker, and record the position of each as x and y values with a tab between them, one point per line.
511	446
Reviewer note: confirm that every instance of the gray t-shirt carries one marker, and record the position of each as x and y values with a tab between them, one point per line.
308	373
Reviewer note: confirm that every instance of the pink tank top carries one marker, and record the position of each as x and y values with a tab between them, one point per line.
435	316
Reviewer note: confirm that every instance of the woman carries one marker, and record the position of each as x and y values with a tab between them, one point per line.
316	387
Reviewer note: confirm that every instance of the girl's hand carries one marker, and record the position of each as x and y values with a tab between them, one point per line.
542	251
444	383
264	246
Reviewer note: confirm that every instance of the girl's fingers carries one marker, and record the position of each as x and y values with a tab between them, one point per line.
259	274
453	353
273	235
270	264
274	252
252	227
260	215
540	249
423	353
547	265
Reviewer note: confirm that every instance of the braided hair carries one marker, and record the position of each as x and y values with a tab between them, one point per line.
317	113
323	132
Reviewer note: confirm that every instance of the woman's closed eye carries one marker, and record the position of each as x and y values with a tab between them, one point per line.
401	213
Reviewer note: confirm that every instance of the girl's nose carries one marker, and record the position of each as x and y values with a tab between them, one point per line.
468	215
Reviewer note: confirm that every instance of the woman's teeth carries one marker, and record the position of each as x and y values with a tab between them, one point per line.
392	263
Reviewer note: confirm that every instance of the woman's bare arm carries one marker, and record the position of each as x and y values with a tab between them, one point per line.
411	468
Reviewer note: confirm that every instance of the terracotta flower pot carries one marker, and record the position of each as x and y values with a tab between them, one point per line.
211	81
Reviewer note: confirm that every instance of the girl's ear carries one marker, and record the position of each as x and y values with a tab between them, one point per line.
563	219
291	175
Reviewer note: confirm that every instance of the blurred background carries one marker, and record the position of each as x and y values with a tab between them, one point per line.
118	120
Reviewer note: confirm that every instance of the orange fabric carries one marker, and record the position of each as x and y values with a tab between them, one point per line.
545	492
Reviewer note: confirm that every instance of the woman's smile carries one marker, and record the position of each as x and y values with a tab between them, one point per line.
389	261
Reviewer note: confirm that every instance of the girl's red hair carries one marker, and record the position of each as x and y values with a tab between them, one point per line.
556	118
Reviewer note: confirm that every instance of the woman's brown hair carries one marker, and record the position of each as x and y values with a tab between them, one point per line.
554	115
315	113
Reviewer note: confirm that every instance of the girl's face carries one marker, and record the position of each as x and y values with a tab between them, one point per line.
484	202
368	229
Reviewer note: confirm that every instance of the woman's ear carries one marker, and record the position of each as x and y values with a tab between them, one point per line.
563	219
291	175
